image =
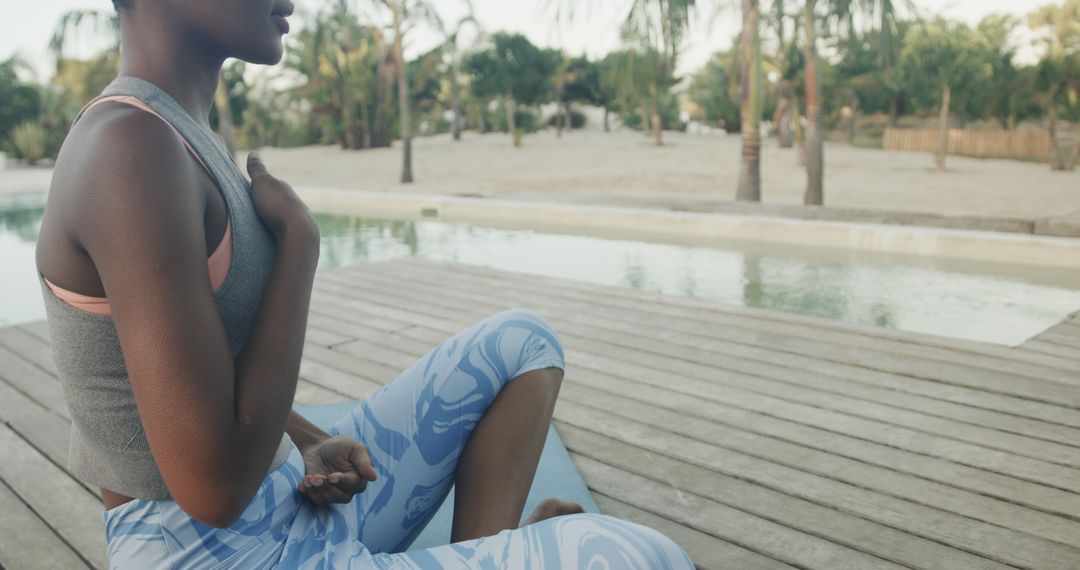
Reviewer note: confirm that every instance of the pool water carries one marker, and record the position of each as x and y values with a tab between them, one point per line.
999	304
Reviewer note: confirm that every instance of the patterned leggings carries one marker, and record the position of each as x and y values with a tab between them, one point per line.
415	428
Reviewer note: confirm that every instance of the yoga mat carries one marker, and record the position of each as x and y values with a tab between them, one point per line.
556	476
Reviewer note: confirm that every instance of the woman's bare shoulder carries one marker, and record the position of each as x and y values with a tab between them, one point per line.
117	160
118	168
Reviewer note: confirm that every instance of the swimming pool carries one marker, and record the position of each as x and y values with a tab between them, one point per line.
1000	304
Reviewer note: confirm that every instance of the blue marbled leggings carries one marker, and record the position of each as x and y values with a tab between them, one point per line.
415	428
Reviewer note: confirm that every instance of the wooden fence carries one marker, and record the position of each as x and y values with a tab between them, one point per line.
1026	145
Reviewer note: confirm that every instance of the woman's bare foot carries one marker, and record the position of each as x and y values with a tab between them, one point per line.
551	508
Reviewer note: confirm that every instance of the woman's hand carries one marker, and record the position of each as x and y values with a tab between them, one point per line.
276	203
336	469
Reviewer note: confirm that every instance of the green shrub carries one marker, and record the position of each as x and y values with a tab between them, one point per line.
29	140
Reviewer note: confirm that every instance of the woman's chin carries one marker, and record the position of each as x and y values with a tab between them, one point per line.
266	55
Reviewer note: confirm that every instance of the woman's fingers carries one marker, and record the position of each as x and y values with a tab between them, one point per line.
335	488
255	166
349	481
361	461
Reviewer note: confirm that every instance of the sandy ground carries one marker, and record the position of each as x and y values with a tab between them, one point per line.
623	167
585	165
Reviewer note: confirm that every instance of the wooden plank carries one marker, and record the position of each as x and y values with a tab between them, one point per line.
884	526
1069	327
707	552
324	337
68	508
1061	340
811	372
688	350
691	421
362	367
1028	469
422	345
733	525
711	311
32	381
374	330
29	347
848	349
45	430
696	397
780	347
37	329
1002	359
26	542
1047	347
328	322
633	362
327	376
312	394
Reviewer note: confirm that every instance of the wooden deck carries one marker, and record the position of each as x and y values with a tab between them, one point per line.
756	439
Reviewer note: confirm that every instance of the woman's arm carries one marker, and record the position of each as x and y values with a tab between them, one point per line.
304	433
212	424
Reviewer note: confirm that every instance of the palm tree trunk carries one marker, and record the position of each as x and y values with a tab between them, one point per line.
815	152
558	116
403	101
800	131
749	189
943	129
511	126
455	97
657	126
1051	113
607	124
784	117
224	113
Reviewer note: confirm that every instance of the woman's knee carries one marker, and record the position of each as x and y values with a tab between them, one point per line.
542	349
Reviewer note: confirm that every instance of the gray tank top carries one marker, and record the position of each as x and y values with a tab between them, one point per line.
108	446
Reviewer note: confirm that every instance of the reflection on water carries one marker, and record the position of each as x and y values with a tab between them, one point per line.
997	304
1000	304
20	220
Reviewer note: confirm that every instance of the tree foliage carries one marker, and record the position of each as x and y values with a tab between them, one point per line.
21	101
715	91
946	54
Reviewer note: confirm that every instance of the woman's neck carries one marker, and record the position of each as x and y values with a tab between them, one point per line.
188	72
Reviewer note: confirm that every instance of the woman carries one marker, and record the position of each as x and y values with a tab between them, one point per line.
177	297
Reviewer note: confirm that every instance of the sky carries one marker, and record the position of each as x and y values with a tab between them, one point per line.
592	30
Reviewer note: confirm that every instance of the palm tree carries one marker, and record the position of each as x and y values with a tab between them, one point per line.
654	26
73	22
404	12
750	99
399	12
451	47
883	17
840	13
659	25
1059	70
815	151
